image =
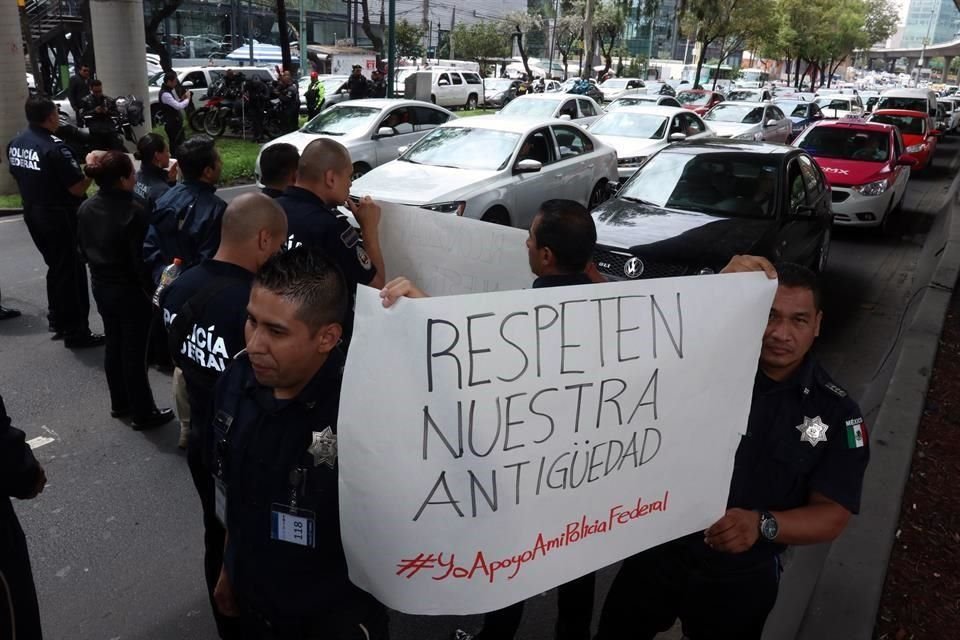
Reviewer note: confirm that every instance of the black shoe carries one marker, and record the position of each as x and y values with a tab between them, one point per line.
6	313
82	341
156	418
119	413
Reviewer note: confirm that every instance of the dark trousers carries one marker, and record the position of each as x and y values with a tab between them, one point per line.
358	618
174	131
158	351
256	119
656	587
19	612
126	314
574	613
55	236
214	536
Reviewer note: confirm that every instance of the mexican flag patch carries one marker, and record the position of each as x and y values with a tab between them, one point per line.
856	433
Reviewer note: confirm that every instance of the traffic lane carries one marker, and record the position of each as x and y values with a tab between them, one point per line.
145	562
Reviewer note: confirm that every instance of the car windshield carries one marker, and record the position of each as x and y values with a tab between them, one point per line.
341	119
793	108
530	108
735	185
743	96
464	148
614	84
620	103
631	125
906	124
946	106
156	80
830	103
692	97
497	84
906	104
735	113
847	144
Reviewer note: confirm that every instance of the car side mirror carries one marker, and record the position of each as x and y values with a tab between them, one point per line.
771	123
385	132
804	211
565	116
907	160
936	132
677	137
402	150
187	85
442	83
528	165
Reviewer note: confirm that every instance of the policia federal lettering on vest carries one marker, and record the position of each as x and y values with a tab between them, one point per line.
275	429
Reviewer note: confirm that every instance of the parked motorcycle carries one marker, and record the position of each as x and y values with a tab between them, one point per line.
237	116
128	114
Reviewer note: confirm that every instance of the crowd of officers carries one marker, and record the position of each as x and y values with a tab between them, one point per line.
276	273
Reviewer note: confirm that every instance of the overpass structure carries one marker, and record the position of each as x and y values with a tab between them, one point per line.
915	56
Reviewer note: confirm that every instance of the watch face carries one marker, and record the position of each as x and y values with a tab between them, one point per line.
769	528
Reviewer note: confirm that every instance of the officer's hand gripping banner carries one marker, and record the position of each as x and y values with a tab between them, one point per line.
494	446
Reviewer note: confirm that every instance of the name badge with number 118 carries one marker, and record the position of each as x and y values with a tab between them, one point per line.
289	524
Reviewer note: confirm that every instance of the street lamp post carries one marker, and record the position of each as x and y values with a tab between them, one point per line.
923	47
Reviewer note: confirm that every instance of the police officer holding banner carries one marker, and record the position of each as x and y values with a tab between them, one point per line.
52	187
205	311
275	425
797	478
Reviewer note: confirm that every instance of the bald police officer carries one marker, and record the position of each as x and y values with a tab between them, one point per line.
52	186
797	479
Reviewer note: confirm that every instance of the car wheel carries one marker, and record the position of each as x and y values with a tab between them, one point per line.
824	254
497	215
155	119
472	102
890	224
359	169
598	195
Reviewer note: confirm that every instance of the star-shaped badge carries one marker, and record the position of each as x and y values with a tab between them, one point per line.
324	448
813	430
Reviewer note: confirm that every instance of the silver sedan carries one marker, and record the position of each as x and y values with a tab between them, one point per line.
749	121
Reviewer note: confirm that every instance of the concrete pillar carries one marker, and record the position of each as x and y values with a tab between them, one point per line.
891	65
13	80
120	49
947	61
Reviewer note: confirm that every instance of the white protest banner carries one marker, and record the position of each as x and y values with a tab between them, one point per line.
493	446
446	254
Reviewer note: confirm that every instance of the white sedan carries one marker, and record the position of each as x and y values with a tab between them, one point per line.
638	132
839	106
749	121
496	169
372	130
566	106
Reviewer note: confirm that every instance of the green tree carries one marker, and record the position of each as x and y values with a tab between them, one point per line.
481	41
409	39
569	33
517	24
608	24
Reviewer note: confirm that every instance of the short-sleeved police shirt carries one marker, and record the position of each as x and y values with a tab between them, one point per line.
804	435
45	169
266	440
217	334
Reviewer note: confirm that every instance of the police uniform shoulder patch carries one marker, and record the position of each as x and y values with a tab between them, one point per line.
364	259
837	391
350	237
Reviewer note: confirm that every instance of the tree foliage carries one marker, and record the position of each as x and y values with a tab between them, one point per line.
608	25
569	33
517	24
409	39
480	41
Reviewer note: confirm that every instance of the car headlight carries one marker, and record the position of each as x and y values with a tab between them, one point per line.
749	136
916	148
447	207
874	188
633	161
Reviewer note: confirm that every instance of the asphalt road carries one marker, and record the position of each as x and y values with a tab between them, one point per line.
116	538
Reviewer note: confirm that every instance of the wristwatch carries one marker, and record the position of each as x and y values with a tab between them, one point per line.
768	526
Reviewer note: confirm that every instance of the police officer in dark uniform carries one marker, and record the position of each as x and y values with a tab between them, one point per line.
275	425
98	111
357	84
20	477
78	89
186	220
211	300
797	479
378	86
258	97
278	168
324	176
289	95
559	248
52	187
157	173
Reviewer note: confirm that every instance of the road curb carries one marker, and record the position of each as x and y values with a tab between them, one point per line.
847	596
10	212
